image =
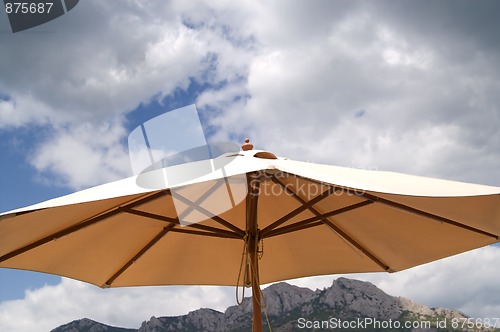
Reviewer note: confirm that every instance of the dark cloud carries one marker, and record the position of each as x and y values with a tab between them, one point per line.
445	24
97	61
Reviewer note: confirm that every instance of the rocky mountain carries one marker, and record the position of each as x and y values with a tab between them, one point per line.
348	304
88	325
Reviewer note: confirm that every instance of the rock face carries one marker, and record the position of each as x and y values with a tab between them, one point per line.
87	325
363	298
289	306
198	320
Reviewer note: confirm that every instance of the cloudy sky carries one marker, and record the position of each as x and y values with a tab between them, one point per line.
406	86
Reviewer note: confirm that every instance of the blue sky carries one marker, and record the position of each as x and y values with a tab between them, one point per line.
352	83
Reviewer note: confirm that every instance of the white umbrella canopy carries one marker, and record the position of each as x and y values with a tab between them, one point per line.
257	219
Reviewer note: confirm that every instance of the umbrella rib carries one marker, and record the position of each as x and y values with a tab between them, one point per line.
86	223
324	219
15	214
409	209
319	217
355	243
301	208
200	199
214	230
148	246
344	235
202	233
209	215
298	226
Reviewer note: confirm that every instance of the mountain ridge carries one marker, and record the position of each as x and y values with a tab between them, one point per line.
293	308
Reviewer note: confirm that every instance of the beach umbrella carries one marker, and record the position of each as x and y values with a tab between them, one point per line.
254	219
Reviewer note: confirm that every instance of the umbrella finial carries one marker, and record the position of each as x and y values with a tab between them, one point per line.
247	145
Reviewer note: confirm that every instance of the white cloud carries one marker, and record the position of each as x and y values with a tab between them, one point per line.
299	69
102	85
307	70
83	155
48	307
421	113
21	108
127	56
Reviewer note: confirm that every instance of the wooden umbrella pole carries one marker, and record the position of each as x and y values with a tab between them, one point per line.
256	300
253	242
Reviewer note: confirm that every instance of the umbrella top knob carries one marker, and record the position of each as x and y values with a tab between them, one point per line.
247	145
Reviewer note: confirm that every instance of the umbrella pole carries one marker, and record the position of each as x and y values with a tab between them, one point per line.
253	243
256	304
